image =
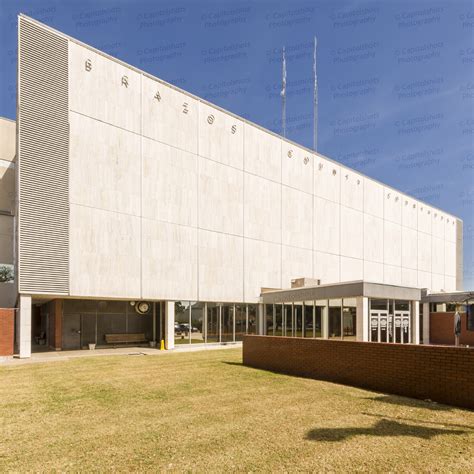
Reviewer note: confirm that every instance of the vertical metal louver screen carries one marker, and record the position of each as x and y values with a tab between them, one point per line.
43	156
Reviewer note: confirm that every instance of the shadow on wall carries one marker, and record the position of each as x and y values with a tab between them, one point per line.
382	427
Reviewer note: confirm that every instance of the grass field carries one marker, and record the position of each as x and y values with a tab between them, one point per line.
204	411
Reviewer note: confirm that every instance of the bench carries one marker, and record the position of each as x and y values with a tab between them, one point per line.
130	338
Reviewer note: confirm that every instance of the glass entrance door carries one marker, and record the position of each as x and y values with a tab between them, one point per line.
401	321
379	326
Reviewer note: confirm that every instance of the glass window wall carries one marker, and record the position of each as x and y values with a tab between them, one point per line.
298	319
197	323
335	314
240	321
349	318
288	319
252	320
278	319
309	319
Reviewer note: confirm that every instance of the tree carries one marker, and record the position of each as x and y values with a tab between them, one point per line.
6	273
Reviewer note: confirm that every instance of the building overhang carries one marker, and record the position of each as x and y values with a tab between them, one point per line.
349	289
452	297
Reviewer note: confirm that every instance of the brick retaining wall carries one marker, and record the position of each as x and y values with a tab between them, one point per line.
7	324
442	329
441	374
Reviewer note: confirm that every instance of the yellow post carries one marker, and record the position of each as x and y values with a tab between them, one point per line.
162	345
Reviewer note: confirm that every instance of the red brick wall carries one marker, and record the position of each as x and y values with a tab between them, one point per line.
442	329
441	374
7	324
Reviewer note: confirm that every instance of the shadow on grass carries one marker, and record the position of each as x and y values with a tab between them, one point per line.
409	402
380	428
470	428
239	364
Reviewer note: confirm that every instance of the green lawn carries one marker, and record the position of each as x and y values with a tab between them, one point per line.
204	411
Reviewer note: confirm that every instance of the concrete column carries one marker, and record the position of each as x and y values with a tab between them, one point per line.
362	312
261	321
426	323
325	321
24	326
415	322
169	325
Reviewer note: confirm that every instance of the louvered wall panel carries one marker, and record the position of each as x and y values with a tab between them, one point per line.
43	161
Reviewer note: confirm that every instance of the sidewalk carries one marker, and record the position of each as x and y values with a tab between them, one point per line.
52	356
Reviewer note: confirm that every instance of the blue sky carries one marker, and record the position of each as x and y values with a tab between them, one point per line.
396	83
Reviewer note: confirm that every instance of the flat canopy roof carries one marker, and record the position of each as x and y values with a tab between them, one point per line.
348	289
451	297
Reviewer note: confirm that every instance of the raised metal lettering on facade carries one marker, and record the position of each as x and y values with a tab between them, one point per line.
88	65
125	81
210	119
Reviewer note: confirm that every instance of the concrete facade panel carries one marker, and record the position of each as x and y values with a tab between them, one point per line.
392	206
326	233
373	239
437	256
409	248
169	116
104	253
262	268
352	190
169	183
221	137
352	228
169	261
221	197
351	269
297	225
262	153
297	167
424	252
409	213
373	198
220	267
373	271
392	249
327	267
327	179
262	209
409	277
392	275
296	263
106	82
104	166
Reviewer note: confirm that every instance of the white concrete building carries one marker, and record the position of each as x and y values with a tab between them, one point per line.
131	190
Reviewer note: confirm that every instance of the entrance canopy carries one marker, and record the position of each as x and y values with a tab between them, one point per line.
341	290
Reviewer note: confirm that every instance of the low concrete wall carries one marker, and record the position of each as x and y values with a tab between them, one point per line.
441	374
7	325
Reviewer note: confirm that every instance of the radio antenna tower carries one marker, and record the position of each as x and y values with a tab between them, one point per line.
315	100
283	94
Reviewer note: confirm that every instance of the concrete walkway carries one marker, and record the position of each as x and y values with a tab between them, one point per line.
52	356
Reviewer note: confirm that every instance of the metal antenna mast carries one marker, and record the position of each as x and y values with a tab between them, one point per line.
283	94
315	100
